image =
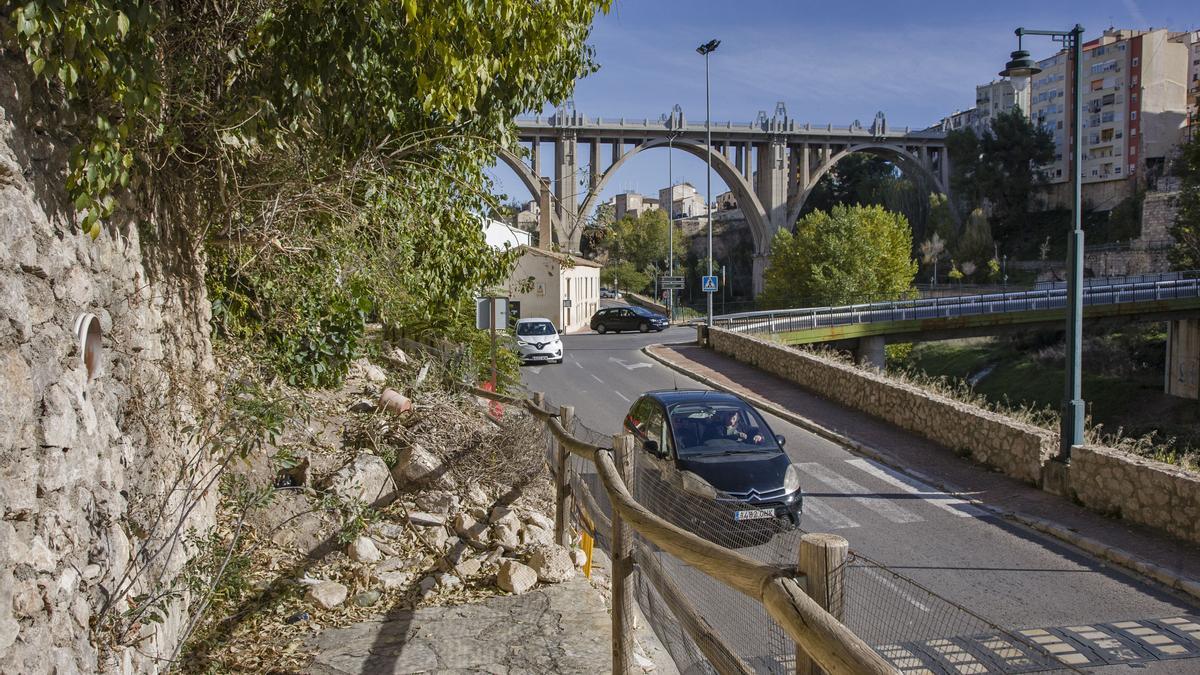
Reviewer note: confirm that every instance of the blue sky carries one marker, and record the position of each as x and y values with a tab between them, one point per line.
828	62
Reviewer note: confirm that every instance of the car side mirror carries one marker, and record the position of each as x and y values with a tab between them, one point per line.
780	440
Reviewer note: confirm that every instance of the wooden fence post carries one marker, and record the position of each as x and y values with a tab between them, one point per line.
562	487
822	559
622	568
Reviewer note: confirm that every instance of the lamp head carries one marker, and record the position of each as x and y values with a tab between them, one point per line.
1020	68
709	46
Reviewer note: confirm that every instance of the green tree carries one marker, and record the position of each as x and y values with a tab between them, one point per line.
1186	227
859	178
624	276
999	168
329	156
851	254
640	241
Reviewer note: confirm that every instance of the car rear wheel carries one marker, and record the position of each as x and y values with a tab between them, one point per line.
644	327
601	329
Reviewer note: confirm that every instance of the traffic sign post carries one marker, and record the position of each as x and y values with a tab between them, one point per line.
709	284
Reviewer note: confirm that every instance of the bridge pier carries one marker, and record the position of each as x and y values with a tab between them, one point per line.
870	351
566	166
1182	376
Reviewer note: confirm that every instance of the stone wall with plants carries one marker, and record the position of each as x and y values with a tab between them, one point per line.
1017	449
99	481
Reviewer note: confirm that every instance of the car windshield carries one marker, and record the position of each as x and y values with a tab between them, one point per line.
536	328
719	428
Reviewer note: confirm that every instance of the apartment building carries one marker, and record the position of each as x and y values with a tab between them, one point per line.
685	201
1192	41
991	99
633	205
1134	109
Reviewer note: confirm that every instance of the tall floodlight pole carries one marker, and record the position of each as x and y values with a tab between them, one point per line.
706	49
1019	68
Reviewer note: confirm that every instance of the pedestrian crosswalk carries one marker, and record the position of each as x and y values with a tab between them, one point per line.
838	496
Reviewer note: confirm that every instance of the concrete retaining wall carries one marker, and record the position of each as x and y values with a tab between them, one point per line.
643	301
1018	450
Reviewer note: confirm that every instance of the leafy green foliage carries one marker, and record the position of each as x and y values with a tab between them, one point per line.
1000	168
624	276
1186	228
329	155
851	254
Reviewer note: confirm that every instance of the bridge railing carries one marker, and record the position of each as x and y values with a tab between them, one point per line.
1148	288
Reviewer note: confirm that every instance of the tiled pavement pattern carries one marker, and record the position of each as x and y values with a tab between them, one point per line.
1074	647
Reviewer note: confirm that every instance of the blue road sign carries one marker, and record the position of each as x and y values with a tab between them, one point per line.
710	284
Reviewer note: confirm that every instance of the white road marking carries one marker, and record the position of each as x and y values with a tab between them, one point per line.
946	502
828	516
630	366
883	580
893	512
622	396
578	364
596	378
534	369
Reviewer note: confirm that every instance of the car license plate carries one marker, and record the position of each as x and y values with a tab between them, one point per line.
753	514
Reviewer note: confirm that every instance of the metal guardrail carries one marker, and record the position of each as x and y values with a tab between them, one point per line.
1167	286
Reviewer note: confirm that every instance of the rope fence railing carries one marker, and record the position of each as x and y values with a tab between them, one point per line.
819	637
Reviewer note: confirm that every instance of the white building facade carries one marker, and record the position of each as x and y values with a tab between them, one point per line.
562	288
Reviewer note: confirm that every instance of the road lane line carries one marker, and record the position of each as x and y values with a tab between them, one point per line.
946	502
596	378
828	517
883	580
622	396
893	512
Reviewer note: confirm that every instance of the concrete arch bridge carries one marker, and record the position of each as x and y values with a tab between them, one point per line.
771	164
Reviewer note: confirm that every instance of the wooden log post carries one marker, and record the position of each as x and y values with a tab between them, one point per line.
822	558
622	569
562	486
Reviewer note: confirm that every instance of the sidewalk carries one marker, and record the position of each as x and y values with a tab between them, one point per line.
1166	560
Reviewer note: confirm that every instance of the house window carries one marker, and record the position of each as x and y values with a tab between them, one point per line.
1133	115
1135	62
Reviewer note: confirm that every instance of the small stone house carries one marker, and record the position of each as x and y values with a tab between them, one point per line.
557	286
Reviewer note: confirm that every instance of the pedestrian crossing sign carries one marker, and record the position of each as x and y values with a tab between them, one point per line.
710	284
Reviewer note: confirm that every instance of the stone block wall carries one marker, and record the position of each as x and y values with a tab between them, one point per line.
88	469
1017	449
1139	490
1106	480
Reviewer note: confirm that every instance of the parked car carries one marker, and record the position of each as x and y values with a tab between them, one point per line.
618	319
607	293
714	465
538	340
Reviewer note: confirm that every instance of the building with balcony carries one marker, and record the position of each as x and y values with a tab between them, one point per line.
1192	41
1134	109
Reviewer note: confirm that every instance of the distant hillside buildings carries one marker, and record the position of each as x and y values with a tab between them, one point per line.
1140	94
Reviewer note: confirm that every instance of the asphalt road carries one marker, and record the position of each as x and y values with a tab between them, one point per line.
1008	575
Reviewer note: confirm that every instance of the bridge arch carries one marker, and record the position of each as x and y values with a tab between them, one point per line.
906	160
531	182
747	200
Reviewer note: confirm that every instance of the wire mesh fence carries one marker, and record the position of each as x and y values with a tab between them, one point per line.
915	628
918	630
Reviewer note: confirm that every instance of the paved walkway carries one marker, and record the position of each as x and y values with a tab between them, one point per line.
1150	553
561	628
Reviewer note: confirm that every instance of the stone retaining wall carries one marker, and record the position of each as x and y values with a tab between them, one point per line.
87	465
643	301
1138	490
1018	450
1105	480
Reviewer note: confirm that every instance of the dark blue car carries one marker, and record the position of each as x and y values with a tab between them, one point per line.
617	319
717	450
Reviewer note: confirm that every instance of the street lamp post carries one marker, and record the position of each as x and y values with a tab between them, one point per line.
706	49
671	210
1019	68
